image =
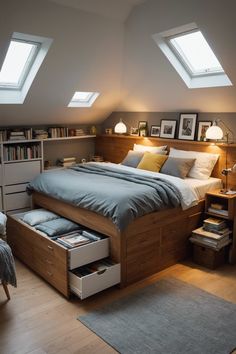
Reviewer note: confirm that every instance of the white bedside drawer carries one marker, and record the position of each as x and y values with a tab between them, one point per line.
17	201
20	172
15	188
93	283
88	253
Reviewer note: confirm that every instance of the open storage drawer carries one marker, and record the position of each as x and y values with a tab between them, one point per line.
98	280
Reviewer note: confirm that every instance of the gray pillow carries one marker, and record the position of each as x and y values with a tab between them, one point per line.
38	216
58	227
178	167
133	158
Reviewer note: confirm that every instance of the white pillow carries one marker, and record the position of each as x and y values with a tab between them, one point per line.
203	165
154	149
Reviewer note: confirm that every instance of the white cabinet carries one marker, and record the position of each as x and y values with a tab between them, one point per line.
21	172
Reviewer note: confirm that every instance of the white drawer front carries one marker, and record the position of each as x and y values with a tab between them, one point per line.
88	253
20	172
0	198
16	188
17	201
1	178
95	282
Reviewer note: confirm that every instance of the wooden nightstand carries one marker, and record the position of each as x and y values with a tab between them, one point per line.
228	203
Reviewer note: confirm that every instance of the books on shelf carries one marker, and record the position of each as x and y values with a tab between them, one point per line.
21	152
3	135
222	212
40	134
67	161
214	225
58	132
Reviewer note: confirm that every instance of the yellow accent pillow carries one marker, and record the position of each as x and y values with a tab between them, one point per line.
152	162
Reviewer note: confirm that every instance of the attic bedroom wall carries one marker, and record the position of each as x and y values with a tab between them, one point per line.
86	55
150	85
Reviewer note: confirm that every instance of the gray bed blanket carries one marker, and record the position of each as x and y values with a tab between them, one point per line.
119	195
7	264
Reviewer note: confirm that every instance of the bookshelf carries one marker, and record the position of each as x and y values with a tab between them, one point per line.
23	159
228	213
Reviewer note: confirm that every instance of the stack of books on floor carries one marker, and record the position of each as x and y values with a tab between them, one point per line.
67	161
217	208
214	234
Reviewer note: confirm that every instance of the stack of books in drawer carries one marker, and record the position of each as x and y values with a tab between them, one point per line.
214	234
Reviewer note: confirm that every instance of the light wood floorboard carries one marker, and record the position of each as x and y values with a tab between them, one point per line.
38	320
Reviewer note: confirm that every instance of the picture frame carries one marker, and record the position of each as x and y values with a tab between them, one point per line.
187	126
168	128
142	126
155	130
134	131
202	128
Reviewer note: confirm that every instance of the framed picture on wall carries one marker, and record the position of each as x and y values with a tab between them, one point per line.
168	128
142	126
187	126
134	131
202	128
155	130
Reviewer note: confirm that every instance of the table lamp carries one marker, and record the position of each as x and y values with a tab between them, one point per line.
120	128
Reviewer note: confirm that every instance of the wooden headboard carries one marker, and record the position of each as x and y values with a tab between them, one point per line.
114	148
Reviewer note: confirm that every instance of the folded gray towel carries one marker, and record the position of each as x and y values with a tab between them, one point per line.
7	264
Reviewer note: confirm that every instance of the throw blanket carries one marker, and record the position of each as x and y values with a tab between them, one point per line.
121	196
7	264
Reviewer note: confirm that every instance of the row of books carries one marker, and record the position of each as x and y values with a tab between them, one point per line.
78	238
214	233
93	267
30	133
21	152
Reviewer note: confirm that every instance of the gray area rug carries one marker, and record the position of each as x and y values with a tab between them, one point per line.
168	317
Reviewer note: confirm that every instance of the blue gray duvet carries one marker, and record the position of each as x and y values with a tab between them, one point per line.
121	196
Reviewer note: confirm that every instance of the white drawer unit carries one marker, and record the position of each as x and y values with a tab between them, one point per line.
17	201
1	199
97	281
15	188
20	172
88	253
1	178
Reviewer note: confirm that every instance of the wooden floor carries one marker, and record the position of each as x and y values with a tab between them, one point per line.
39	320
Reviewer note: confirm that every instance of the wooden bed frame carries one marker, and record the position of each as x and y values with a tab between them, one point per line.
157	240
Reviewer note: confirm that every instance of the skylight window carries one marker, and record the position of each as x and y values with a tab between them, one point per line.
191	56
195	52
23	59
14	71
83	99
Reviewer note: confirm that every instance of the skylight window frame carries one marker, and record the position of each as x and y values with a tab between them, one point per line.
27	67
83	103
192	82
183	59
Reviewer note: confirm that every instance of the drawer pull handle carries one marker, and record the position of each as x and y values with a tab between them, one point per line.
49	273
100	272
50	248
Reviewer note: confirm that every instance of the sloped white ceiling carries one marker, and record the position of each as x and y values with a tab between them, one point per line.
150	83
116	9
96	49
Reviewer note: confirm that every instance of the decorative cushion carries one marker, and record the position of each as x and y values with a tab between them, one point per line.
133	158
57	227
203	165
178	167
38	216
154	149
152	162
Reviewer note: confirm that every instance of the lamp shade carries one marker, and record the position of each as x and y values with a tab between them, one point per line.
120	128
214	133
